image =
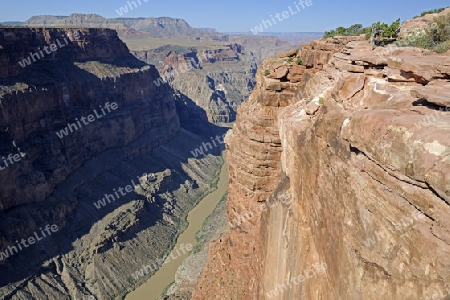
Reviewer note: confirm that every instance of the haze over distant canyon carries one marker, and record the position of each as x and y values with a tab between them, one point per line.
142	158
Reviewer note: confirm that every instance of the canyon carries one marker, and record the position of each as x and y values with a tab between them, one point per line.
139	143
339	178
87	118
214	86
337	158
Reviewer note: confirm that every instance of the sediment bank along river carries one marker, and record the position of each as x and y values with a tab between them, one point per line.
152	289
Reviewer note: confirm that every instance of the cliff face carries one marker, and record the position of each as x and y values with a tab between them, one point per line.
77	127
261	46
164	27
83	21
339	180
92	69
216	79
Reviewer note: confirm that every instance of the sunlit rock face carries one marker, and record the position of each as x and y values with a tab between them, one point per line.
351	164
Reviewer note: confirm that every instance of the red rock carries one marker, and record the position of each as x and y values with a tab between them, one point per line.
367	166
436	94
296	73
279	73
290	53
311	108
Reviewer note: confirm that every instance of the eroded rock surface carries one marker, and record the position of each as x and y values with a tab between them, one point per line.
360	149
60	179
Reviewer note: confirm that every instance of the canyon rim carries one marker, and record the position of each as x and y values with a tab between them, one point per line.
143	158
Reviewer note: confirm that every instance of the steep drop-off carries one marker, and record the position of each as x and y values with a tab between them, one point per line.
215	78
339	179
43	98
59	178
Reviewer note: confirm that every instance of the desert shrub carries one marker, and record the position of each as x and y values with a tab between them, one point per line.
431	11
439	30
387	31
354	30
299	61
266	72
321	100
436	36
442	47
290	59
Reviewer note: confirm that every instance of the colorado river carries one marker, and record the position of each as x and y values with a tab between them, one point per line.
152	289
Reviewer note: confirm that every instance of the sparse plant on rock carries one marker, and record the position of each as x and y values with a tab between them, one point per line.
385	30
436	36
431	11
354	30
381	33
299	62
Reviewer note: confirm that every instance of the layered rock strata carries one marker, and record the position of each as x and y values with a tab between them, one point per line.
216	79
92	69
118	184
351	165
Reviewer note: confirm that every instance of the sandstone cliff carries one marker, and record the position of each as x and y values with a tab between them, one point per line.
58	177
339	179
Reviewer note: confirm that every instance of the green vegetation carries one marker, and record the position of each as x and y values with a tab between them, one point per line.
431	11
354	30
384	30
266	72
290	59
299	62
321	100
387	31
436	36
442	47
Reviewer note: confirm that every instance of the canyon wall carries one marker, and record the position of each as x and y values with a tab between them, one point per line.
217	78
89	69
80	124
339	179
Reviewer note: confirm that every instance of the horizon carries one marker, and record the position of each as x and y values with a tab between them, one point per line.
288	16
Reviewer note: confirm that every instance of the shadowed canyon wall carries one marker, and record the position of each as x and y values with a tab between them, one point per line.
57	178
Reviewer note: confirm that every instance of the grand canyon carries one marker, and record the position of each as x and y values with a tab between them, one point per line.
143	158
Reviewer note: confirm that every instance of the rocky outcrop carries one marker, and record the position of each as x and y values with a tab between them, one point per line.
339	183
60	45
420	23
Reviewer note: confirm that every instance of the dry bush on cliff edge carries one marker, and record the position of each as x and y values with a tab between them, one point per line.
436	36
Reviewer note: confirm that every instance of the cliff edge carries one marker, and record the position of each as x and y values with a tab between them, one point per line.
339	178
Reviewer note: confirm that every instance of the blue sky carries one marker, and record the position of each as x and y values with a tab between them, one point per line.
234	15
